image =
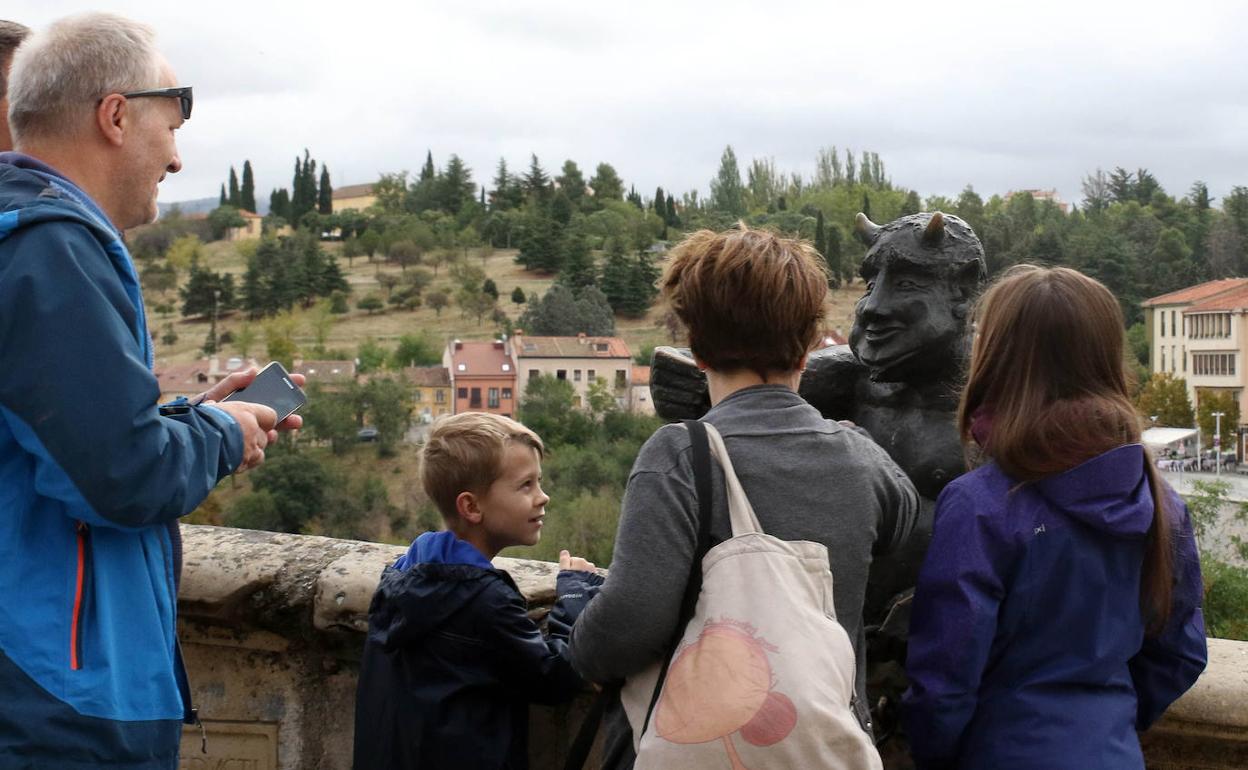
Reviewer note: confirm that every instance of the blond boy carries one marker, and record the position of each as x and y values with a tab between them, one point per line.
452	659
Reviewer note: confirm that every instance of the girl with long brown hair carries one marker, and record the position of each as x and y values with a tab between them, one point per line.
1058	609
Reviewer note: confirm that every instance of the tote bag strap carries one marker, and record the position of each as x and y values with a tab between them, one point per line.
701	461
740	511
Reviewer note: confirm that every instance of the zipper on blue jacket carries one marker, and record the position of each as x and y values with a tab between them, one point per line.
80	595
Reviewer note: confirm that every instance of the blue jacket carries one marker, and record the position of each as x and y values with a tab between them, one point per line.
93	476
452	661
1027	646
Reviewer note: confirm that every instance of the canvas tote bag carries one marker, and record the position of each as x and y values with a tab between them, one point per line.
763	675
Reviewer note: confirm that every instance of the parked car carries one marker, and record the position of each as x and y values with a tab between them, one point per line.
366	434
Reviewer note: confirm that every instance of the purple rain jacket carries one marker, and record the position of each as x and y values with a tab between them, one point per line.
1027	645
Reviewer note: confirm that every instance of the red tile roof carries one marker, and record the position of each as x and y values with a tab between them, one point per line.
571	347
641	375
192	377
352	191
427	376
481	359
1232	299
1196	293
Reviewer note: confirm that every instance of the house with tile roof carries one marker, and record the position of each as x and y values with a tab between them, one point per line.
1200	334
483	376
579	360
431	391
353	196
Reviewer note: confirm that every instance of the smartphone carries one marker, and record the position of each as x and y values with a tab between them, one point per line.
273	388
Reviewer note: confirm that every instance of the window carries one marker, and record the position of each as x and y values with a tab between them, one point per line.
621	379
534	374
576	375
1163	323
1213	364
461	367
506	393
462	393
475	401
493	402
1173	329
576	402
1185	359
1163	360
439	396
561	374
601	347
416	395
590	375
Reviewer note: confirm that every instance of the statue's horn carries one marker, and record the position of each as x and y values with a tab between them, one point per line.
935	230
866	230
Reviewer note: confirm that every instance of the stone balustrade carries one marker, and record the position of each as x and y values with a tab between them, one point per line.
272	625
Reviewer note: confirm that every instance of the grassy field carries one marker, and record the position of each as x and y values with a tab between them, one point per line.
386	326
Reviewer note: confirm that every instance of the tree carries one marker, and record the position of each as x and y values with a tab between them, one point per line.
474	302
1164	397
548	409
727	192
206	293
457	186
437	300
297	484
561	312
235	198
370	356
578	269
330	417
279	340
517	295
247	194
222	219
572	182
1211	401
489	287
606	183
387	281
536	182
325	195
370	303
389	406
415	350
224	201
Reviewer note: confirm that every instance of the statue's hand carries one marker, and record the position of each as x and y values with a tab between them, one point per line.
677	387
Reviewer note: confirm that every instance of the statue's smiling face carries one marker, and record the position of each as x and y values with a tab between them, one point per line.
906	325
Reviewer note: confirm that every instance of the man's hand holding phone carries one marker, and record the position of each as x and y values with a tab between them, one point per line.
257	421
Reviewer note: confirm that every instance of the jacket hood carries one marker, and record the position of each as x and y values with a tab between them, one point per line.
1110	492
436	578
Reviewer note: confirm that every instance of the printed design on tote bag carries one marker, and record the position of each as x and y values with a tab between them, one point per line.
722	684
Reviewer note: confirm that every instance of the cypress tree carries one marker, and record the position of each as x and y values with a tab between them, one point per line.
234	194
672	219
325	198
224	200
247	195
660	204
428	171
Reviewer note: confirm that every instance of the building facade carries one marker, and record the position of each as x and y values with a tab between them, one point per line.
1200	334
579	360
431	391
353	196
483	376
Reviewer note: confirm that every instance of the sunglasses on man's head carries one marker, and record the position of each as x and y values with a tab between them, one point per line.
181	93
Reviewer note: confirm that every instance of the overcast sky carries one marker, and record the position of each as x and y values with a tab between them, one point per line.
996	94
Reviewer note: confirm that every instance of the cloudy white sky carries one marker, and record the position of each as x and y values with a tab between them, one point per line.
997	94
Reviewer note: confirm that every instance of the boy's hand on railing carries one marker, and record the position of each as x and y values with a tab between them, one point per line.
576	563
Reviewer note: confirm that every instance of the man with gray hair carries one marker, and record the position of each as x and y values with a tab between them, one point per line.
93	473
11	36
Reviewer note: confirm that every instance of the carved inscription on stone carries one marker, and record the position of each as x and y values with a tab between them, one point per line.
231	746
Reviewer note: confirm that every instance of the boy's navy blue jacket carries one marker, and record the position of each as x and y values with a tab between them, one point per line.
93	477
1027	644
452	661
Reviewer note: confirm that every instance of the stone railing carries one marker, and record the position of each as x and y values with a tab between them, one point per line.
272	625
